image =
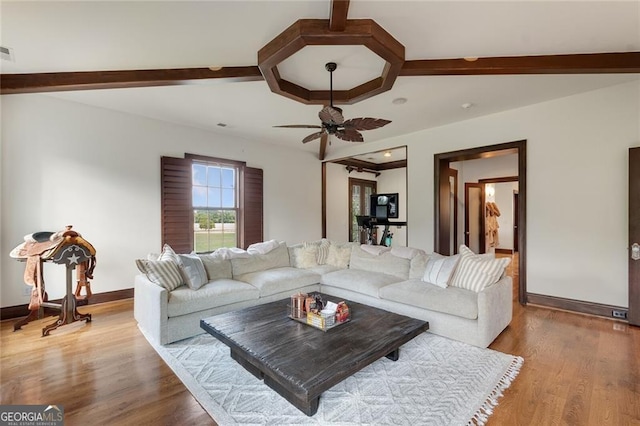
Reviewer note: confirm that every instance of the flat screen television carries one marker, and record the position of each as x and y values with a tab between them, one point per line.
384	206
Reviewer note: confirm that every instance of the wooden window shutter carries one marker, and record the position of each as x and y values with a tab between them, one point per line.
177	212
252	229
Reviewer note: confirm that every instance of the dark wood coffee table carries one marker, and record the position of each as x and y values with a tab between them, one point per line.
299	361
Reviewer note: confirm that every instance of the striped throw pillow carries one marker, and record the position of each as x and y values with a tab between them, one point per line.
165	273
475	272
323	251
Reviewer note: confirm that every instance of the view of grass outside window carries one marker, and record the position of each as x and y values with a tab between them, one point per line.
215	204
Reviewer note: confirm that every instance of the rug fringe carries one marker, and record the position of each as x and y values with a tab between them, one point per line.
482	415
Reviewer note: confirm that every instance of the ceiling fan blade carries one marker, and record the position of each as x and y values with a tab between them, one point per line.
365	123
331	115
349	135
91	80
300	126
314	136
584	63
323	146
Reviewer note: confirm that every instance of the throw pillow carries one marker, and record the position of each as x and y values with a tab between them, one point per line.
323	251
169	254
339	255
164	273
307	257
193	272
439	269
476	272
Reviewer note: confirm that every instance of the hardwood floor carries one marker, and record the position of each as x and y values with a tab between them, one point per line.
578	370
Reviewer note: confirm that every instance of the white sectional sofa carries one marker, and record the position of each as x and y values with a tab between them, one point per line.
394	279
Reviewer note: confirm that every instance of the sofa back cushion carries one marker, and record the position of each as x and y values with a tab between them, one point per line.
217	268
276	258
385	263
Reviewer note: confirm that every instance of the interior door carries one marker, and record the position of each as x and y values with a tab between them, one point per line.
634	236
359	203
474	217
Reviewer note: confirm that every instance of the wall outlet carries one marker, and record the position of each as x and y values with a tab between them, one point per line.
619	314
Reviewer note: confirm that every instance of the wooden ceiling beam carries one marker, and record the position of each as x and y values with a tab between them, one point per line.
338	17
586	63
91	80
323	146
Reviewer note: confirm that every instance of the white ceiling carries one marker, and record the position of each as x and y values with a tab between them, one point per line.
92	35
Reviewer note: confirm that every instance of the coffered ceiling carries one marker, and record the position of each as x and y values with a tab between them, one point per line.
226	36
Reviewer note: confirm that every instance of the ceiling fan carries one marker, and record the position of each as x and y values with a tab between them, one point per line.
333	122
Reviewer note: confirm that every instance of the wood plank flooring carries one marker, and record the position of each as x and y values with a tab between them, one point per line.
578	370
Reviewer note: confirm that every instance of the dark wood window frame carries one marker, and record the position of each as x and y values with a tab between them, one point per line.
177	209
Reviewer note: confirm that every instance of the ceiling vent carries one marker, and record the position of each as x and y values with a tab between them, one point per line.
6	53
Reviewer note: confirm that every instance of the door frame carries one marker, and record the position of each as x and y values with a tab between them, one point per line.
362	183
633	313
442	227
482	242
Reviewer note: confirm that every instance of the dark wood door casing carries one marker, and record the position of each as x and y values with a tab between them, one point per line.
633	315
441	198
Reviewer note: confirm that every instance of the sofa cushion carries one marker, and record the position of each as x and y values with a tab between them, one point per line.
193	272
451	300
276	258
417	266
365	282
216	293
475	272
217	267
439	269
385	263
277	280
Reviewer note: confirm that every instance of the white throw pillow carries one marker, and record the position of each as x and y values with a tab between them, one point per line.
306	257
339	255
193	272
439	269
476	272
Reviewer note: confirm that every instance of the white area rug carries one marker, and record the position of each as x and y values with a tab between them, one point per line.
436	381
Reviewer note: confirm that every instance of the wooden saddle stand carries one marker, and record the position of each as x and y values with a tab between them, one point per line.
67	248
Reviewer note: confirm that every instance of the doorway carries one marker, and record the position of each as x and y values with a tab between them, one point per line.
359	205
443	228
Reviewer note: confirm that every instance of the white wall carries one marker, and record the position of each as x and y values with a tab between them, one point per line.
576	237
99	170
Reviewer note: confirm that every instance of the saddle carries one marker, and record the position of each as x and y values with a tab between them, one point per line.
43	245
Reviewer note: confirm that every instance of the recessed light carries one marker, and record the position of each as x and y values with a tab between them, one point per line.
466	105
399	101
215	68
470	58
387	154
221	124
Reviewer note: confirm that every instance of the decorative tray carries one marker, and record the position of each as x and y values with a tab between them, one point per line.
318	321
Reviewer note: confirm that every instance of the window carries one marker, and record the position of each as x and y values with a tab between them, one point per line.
209	203
215	205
